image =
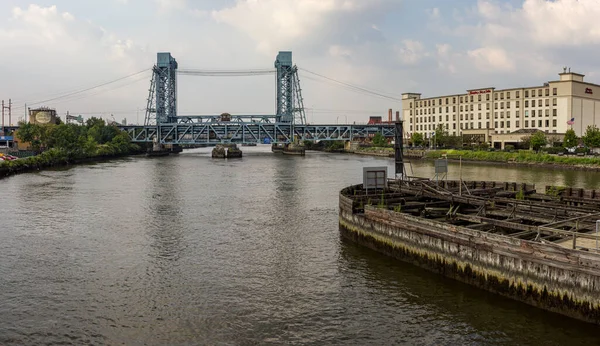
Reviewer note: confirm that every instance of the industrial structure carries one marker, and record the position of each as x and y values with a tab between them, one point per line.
288	124
499	117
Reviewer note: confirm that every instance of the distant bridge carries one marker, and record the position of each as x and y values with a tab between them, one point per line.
163	125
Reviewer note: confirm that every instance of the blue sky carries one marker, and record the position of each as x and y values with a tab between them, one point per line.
51	48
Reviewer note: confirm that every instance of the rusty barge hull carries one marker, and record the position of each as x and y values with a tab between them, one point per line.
502	237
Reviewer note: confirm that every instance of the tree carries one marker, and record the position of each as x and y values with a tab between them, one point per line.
379	140
591	138
538	140
525	142
441	135
417	139
571	139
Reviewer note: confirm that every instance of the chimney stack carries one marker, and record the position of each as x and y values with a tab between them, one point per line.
397	115
390	115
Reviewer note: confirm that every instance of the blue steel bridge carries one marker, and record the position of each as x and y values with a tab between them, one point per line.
287	124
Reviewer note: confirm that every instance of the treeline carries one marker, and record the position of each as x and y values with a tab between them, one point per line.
58	144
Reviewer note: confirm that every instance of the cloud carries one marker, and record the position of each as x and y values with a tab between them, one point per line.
168	5
491	58
411	52
275	24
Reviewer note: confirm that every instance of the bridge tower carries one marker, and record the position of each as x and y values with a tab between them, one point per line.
162	97
290	105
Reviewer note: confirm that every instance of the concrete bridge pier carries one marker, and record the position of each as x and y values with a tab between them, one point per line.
294	149
226	151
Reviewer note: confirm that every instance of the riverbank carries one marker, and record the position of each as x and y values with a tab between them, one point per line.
60	157
521	158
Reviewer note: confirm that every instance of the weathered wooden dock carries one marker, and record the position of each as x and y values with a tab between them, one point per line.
508	238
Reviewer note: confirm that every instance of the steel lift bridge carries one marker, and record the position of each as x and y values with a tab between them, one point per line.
162	125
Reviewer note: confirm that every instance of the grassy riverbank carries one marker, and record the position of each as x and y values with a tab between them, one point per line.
522	156
65	144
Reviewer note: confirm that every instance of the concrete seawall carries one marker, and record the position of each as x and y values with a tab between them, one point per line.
547	276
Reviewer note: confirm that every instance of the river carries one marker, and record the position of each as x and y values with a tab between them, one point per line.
192	250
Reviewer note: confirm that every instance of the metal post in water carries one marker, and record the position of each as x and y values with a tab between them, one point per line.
398	149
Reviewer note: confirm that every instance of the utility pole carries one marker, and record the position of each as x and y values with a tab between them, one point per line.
9	107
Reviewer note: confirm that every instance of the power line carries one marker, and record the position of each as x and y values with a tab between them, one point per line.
82	90
353	87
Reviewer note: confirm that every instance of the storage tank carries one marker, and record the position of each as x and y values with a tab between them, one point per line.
42	115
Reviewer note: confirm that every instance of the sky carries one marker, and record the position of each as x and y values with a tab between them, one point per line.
94	57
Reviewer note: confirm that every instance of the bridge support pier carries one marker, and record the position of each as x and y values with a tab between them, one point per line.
294	149
226	151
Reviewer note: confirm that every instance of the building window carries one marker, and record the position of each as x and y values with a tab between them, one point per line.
487	115
539	123
495	124
517	124
554	101
547	92
479	106
440	118
487	97
471	107
501	115
554	91
526	114
533	113
471	125
454	117
479	97
539	102
508	95
554	112
517	104
501	96
502	124
507	114
471	116
433	111
461	117
533	93
526	103
495	105
479	116
454	126
429	103
447	100
461	99
479	125
540	92
495	96
517	95
411	112
501	105
495	115
447	109
439	102
508	104
471	98
547	112
547	102
440	109
554	123
526	93
547	123
487	106
526	123
410	128
508	124
453	100
517	113
487	124
454	108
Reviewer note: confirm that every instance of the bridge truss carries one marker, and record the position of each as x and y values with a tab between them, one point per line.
162	125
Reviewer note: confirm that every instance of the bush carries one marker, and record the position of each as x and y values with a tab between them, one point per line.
509	147
554	150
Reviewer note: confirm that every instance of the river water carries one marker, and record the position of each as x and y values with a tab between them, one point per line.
194	250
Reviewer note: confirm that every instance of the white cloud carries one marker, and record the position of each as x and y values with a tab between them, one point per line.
168	5
411	52
491	59
274	24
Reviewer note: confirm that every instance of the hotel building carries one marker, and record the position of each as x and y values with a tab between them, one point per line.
504	116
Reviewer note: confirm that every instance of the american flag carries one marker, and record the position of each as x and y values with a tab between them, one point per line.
571	122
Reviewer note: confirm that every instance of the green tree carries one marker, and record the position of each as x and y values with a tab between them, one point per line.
591	138
417	139
379	140
441	136
571	139
525	142
538	140
29	133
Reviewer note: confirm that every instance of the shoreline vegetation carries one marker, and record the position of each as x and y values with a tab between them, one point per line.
67	144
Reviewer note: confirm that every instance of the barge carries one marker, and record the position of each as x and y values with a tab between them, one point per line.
540	248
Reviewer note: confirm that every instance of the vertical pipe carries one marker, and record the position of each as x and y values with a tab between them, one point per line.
398	150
